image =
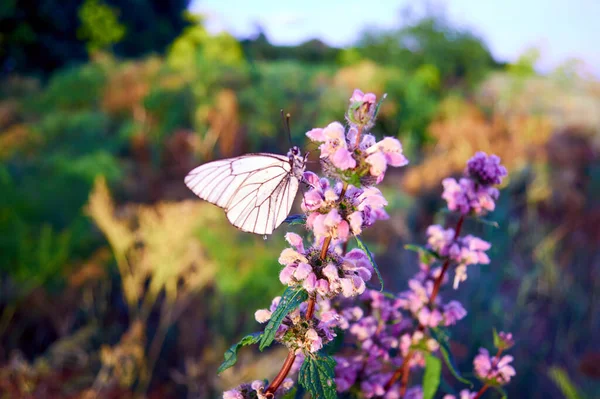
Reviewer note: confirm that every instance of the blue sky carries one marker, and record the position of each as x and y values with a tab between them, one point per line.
562	29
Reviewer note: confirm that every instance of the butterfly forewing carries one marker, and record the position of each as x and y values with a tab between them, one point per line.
256	190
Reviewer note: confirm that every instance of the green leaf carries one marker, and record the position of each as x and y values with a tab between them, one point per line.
447	355
295	219
290	300
426	255
379	105
231	354
564	383
431	378
362	246
497	340
487	222
317	376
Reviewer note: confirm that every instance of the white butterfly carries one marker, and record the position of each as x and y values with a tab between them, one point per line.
255	190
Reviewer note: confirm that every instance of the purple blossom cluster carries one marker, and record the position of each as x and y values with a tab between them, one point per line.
493	370
474	193
331	213
374	330
416	301
461	251
353	154
299	334
383	333
328	277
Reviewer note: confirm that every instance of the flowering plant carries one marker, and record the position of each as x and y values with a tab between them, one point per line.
385	336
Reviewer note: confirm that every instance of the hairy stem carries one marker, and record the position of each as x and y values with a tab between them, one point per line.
358	136
404	370
278	380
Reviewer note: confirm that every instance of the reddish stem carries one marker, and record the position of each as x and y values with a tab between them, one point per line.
310	309
481	391
285	369
325	247
404	369
358	137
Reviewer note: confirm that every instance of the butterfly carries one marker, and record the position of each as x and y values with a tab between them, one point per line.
255	190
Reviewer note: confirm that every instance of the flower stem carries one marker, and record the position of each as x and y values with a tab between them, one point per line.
481	391
325	247
278	380
357	142
404	370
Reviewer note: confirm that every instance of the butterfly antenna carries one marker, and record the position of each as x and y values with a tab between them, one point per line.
285	117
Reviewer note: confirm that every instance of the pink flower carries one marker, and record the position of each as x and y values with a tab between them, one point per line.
504	340
262	315
342	159
333	145
232	394
430	318
455	196
493	369
286	274
453	312
295	241
359	96
302	271
361	111
378	165
315	342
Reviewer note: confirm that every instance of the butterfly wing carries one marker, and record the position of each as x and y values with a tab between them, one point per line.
255	190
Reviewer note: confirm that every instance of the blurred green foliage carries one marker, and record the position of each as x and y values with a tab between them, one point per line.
143	124
100	26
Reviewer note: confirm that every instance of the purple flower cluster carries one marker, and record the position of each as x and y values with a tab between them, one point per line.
416	301
461	251
331	214
474	194
374	330
299	334
485	170
255	390
494	370
354	154
383	333
336	274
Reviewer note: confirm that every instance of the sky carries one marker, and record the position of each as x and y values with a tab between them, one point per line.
561	29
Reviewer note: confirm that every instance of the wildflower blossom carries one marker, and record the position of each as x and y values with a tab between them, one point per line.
300	335
351	156
493	370
361	111
485	170
335	217
474	192
503	340
462	251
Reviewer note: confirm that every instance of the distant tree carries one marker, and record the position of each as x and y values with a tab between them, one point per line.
457	53
39	36
312	51
100	26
